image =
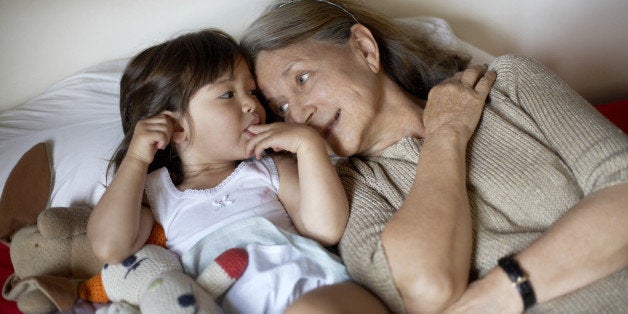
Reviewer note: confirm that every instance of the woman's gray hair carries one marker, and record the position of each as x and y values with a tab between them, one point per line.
411	60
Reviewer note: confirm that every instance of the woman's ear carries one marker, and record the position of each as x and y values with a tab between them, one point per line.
362	39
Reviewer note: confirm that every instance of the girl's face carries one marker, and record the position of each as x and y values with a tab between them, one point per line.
221	114
330	87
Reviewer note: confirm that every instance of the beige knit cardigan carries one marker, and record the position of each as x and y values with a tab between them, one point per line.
539	149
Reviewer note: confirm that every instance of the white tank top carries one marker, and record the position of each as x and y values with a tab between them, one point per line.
187	216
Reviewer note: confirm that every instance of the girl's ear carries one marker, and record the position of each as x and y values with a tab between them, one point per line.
179	134
179	127
365	43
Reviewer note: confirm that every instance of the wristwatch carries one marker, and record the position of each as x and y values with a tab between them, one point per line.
519	280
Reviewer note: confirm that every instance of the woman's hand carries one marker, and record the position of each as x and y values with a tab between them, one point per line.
491	294
281	136
149	135
455	105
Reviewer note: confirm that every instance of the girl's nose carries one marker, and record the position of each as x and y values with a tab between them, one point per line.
248	106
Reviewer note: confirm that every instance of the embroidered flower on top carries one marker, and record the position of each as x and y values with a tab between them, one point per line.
224	202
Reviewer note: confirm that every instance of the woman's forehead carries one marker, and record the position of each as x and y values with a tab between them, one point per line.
311	51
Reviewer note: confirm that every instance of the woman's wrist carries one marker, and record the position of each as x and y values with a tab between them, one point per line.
520	280
507	295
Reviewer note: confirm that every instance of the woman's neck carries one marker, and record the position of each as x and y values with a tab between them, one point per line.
401	115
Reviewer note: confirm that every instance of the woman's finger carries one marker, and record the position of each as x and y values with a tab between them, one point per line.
486	82
471	75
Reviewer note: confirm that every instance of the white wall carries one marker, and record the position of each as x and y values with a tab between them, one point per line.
584	41
42	42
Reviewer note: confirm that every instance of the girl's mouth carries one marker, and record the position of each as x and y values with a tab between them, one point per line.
255	121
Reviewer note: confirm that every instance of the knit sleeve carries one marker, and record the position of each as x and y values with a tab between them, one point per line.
591	146
361	246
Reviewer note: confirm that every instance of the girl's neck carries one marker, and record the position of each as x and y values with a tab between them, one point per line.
206	176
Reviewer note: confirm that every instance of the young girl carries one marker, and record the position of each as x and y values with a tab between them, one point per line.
192	122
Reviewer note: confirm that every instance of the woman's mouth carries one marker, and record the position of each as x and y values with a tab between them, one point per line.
329	128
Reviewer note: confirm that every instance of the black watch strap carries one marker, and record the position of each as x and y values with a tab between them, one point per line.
519	280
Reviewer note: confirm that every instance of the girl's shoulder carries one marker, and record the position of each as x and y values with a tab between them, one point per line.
284	164
270	165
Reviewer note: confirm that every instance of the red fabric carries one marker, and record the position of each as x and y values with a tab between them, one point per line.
233	262
616	112
6	269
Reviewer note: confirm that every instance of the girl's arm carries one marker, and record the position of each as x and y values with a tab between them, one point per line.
119	224
310	188
428	241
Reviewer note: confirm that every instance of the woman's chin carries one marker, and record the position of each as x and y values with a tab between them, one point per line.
339	150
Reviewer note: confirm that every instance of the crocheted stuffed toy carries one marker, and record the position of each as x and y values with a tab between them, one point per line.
152	281
52	258
49	249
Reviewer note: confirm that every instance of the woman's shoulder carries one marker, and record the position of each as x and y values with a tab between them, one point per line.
397	158
513	67
515	60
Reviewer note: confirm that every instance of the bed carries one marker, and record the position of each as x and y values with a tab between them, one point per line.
78	119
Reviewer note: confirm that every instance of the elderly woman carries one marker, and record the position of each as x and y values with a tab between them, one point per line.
525	196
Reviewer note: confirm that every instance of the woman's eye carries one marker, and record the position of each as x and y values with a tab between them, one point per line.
226	95
282	109
303	78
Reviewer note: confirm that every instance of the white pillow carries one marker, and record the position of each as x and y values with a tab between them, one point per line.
79	119
440	31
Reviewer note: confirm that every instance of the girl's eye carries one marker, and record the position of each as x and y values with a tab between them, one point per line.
226	95
282	109
253	92
303	78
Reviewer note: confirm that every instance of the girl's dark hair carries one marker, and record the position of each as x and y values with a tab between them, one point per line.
165	77
410	59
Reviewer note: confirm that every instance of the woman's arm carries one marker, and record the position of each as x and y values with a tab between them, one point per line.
585	245
428	241
310	188
591	240
119	224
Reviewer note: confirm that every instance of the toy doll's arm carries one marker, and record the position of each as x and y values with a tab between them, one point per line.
310	189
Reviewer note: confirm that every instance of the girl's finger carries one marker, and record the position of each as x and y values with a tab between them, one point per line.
254	142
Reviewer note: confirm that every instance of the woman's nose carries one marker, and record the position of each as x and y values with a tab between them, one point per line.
300	114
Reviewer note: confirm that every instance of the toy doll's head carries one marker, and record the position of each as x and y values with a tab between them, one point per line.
165	77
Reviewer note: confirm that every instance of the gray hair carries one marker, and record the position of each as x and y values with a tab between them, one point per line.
411	60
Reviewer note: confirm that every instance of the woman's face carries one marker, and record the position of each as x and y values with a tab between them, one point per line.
327	86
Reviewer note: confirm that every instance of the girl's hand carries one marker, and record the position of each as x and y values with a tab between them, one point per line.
149	135
281	136
455	105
